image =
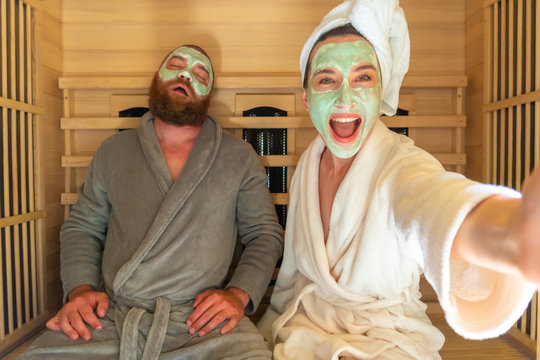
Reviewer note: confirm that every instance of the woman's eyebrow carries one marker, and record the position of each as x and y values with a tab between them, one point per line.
324	71
364	67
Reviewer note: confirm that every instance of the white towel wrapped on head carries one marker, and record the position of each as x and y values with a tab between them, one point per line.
383	24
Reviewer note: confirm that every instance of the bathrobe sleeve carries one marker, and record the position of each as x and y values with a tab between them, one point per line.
83	233
430	206
259	231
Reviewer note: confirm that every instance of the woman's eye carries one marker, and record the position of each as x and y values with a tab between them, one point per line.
326	81
364	77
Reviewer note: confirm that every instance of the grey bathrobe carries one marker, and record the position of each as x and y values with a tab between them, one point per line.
153	245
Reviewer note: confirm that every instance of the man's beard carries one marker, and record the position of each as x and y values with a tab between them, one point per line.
176	110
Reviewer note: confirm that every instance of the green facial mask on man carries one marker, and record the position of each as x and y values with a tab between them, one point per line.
344	114
193	57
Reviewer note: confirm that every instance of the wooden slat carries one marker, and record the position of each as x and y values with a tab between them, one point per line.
68	198
14	195
280	198
21	106
22	218
4	135
519	91
71	198
513	101
495	85
289	122
101	123
260	122
243	81
487	116
77	161
528	82
67	147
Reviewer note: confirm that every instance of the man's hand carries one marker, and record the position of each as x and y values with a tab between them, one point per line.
83	301
212	307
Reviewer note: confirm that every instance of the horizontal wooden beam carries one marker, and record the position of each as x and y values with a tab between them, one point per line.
71	198
99	123
425	121
270	122
22	218
20	106
243	81
296	122
513	101
77	161
280	198
68	198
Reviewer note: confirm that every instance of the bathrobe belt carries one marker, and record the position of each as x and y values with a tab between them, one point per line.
129	337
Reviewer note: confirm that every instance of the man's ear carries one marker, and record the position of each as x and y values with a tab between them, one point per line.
305	100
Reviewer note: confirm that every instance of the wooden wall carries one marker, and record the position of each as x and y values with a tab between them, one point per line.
50	56
474	62
111	36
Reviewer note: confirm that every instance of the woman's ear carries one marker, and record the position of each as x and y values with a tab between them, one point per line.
305	100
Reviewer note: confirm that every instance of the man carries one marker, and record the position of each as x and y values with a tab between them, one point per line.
146	249
369	212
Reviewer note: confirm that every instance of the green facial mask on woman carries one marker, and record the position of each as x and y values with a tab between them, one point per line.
193	59
344	94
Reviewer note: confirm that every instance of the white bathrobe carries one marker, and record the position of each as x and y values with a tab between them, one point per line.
394	216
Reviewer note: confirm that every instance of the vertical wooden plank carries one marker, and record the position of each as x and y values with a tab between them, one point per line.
519	91
459	131
31	173
537	86
488	71
24	163
38	165
495	87
509	70
528	87
6	196
15	176
3	92
502	76
67	149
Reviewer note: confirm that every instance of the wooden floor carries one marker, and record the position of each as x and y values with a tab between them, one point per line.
502	348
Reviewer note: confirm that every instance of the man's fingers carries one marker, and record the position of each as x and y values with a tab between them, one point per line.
77	323
65	326
102	304
200	310
88	315
203	319
213	323
229	326
53	324
199	298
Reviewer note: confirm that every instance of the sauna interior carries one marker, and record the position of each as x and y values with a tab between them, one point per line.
70	68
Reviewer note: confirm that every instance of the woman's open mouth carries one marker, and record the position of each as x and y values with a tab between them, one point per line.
345	126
